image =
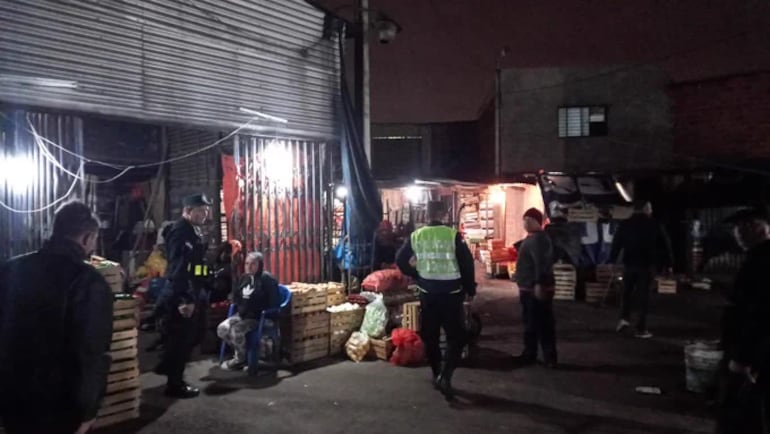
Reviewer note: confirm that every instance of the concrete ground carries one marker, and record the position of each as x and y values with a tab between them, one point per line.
591	392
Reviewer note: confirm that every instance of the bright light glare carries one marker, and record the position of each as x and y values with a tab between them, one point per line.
278	164
497	196
623	192
18	173
414	194
341	192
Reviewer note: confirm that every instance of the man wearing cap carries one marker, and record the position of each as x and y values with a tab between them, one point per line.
745	382
534	276
182	301
446	277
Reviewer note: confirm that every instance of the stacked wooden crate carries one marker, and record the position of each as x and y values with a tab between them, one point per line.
111	271
609	275
410	316
122	398
566	281
335	294
667	285
496	257
380	349
341	326
595	291
309	322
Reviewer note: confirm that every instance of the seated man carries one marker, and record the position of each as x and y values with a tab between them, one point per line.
256	291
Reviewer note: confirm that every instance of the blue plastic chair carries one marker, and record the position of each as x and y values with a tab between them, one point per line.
254	338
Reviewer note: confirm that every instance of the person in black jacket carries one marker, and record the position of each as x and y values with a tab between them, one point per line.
645	247
182	302
256	292
445	276
744	399
535	279
55	331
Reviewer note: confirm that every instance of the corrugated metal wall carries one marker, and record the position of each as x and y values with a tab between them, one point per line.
32	186
197	174
285	208
192	62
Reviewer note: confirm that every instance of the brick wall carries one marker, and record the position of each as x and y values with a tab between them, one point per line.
726	119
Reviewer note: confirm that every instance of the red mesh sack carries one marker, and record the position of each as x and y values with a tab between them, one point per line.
386	281
409	349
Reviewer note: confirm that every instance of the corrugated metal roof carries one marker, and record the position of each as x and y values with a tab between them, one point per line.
193	62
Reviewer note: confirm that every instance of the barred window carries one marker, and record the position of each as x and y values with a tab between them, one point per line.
584	121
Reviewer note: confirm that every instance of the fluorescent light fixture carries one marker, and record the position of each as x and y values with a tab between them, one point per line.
38	81
263	115
622	190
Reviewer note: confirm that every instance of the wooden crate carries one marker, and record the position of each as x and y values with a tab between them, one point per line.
667	286
111	271
381	349
309	324
565	278
595	292
123	392
308	301
410	316
582	215
605	272
313	348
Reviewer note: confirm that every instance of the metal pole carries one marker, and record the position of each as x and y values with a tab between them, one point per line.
498	106
366	133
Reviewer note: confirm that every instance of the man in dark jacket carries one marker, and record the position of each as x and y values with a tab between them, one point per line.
445	274
642	240
256	292
182	301
534	276
55	331
745	377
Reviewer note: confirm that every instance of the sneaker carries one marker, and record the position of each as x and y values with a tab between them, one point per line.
643	334
622	325
233	365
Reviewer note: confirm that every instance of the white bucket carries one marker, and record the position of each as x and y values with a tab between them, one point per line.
701	360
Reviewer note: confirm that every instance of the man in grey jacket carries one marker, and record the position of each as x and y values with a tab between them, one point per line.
534	276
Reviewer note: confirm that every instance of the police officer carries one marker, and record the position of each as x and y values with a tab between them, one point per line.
444	273
182	302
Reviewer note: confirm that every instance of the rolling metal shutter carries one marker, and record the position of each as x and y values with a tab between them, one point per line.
191	62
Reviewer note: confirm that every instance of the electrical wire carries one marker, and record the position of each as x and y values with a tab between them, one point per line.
46	207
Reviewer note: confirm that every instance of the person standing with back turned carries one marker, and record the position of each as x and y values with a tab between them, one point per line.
640	238
182	299
55	331
446	277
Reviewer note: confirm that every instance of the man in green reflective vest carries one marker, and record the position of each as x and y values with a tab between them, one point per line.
444	272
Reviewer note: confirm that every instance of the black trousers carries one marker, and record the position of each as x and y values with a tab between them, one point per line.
743	406
443	311
539	326
35	419
637	282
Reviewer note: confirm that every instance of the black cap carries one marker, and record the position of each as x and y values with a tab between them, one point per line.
196	200
749	214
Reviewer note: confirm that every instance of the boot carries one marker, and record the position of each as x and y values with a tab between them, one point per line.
444	383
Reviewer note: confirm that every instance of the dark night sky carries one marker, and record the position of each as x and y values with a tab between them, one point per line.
441	66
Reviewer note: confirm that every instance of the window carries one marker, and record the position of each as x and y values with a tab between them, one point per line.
582	121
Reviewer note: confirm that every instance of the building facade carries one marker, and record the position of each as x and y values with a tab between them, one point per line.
584	120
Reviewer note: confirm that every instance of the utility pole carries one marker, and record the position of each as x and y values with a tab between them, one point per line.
498	107
366	126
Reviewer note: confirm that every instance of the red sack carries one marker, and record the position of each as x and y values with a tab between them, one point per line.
386	281
409	349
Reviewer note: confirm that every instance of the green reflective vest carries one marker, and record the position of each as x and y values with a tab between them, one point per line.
434	249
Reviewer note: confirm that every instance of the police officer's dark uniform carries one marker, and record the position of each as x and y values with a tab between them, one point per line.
445	275
186	274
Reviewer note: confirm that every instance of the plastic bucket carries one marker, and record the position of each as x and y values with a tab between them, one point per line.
701	360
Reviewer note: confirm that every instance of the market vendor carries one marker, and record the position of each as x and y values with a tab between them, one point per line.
257	291
384	253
